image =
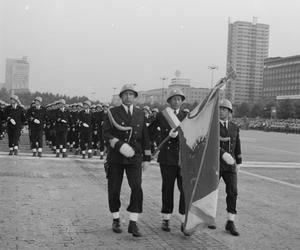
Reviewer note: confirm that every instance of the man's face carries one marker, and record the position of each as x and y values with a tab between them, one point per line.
128	97
224	113
175	102
13	101
37	103
86	107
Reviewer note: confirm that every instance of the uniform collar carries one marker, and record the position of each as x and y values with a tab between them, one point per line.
176	111
224	123
126	108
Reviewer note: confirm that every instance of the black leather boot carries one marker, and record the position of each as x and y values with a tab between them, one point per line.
133	229
230	227
165	226
116	226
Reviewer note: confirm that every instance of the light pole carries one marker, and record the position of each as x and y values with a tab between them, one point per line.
163	89
212	68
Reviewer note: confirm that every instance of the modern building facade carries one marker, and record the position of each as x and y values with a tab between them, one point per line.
248	46
17	76
281	78
160	95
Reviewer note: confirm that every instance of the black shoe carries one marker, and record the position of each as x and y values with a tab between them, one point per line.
83	156
116	226
15	151
65	155
76	152
101	157
57	155
165	226
212	226
90	155
230	227
183	231
95	153
133	229
11	152
39	154
34	154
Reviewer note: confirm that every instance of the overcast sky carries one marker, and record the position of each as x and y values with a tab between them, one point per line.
89	47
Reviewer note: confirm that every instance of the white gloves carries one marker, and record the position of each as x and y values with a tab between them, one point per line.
228	158
238	166
12	121
127	150
85	125
173	134
95	132
36	121
63	121
145	165
113	142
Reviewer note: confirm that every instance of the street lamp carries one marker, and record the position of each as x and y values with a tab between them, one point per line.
212	68
163	89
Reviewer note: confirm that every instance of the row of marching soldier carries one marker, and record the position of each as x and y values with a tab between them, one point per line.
75	127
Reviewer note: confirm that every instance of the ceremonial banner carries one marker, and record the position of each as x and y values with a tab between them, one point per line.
199	161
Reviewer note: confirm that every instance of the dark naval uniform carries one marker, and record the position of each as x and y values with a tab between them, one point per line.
230	143
36	119
168	159
130	129
86	122
62	121
15	118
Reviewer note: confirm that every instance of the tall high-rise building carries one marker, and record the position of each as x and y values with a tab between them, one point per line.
248	46
17	75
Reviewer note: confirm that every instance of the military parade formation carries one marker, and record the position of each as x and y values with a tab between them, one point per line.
127	136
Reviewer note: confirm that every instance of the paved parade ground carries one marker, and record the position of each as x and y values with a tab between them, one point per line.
50	203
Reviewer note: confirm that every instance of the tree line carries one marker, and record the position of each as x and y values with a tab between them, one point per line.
284	109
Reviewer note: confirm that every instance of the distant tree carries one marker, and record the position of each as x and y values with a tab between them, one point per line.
243	110
4	95
285	109
257	110
297	109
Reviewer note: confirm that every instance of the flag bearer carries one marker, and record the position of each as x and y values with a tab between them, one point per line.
168	159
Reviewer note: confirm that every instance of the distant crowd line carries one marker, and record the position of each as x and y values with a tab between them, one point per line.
274	125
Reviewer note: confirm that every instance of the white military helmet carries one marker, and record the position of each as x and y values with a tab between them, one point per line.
62	101
39	99
87	102
175	92
15	97
225	103
128	87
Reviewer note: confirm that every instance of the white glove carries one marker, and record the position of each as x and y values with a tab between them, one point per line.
113	142
238	166
63	121
95	132
85	125
173	134
12	121
145	165
228	158
127	150
36	121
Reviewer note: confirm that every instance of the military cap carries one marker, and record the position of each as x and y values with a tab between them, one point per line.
128	87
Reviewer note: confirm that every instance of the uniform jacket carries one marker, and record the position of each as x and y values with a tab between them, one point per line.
83	117
138	138
39	114
62	119
160	128
99	117
18	114
230	143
